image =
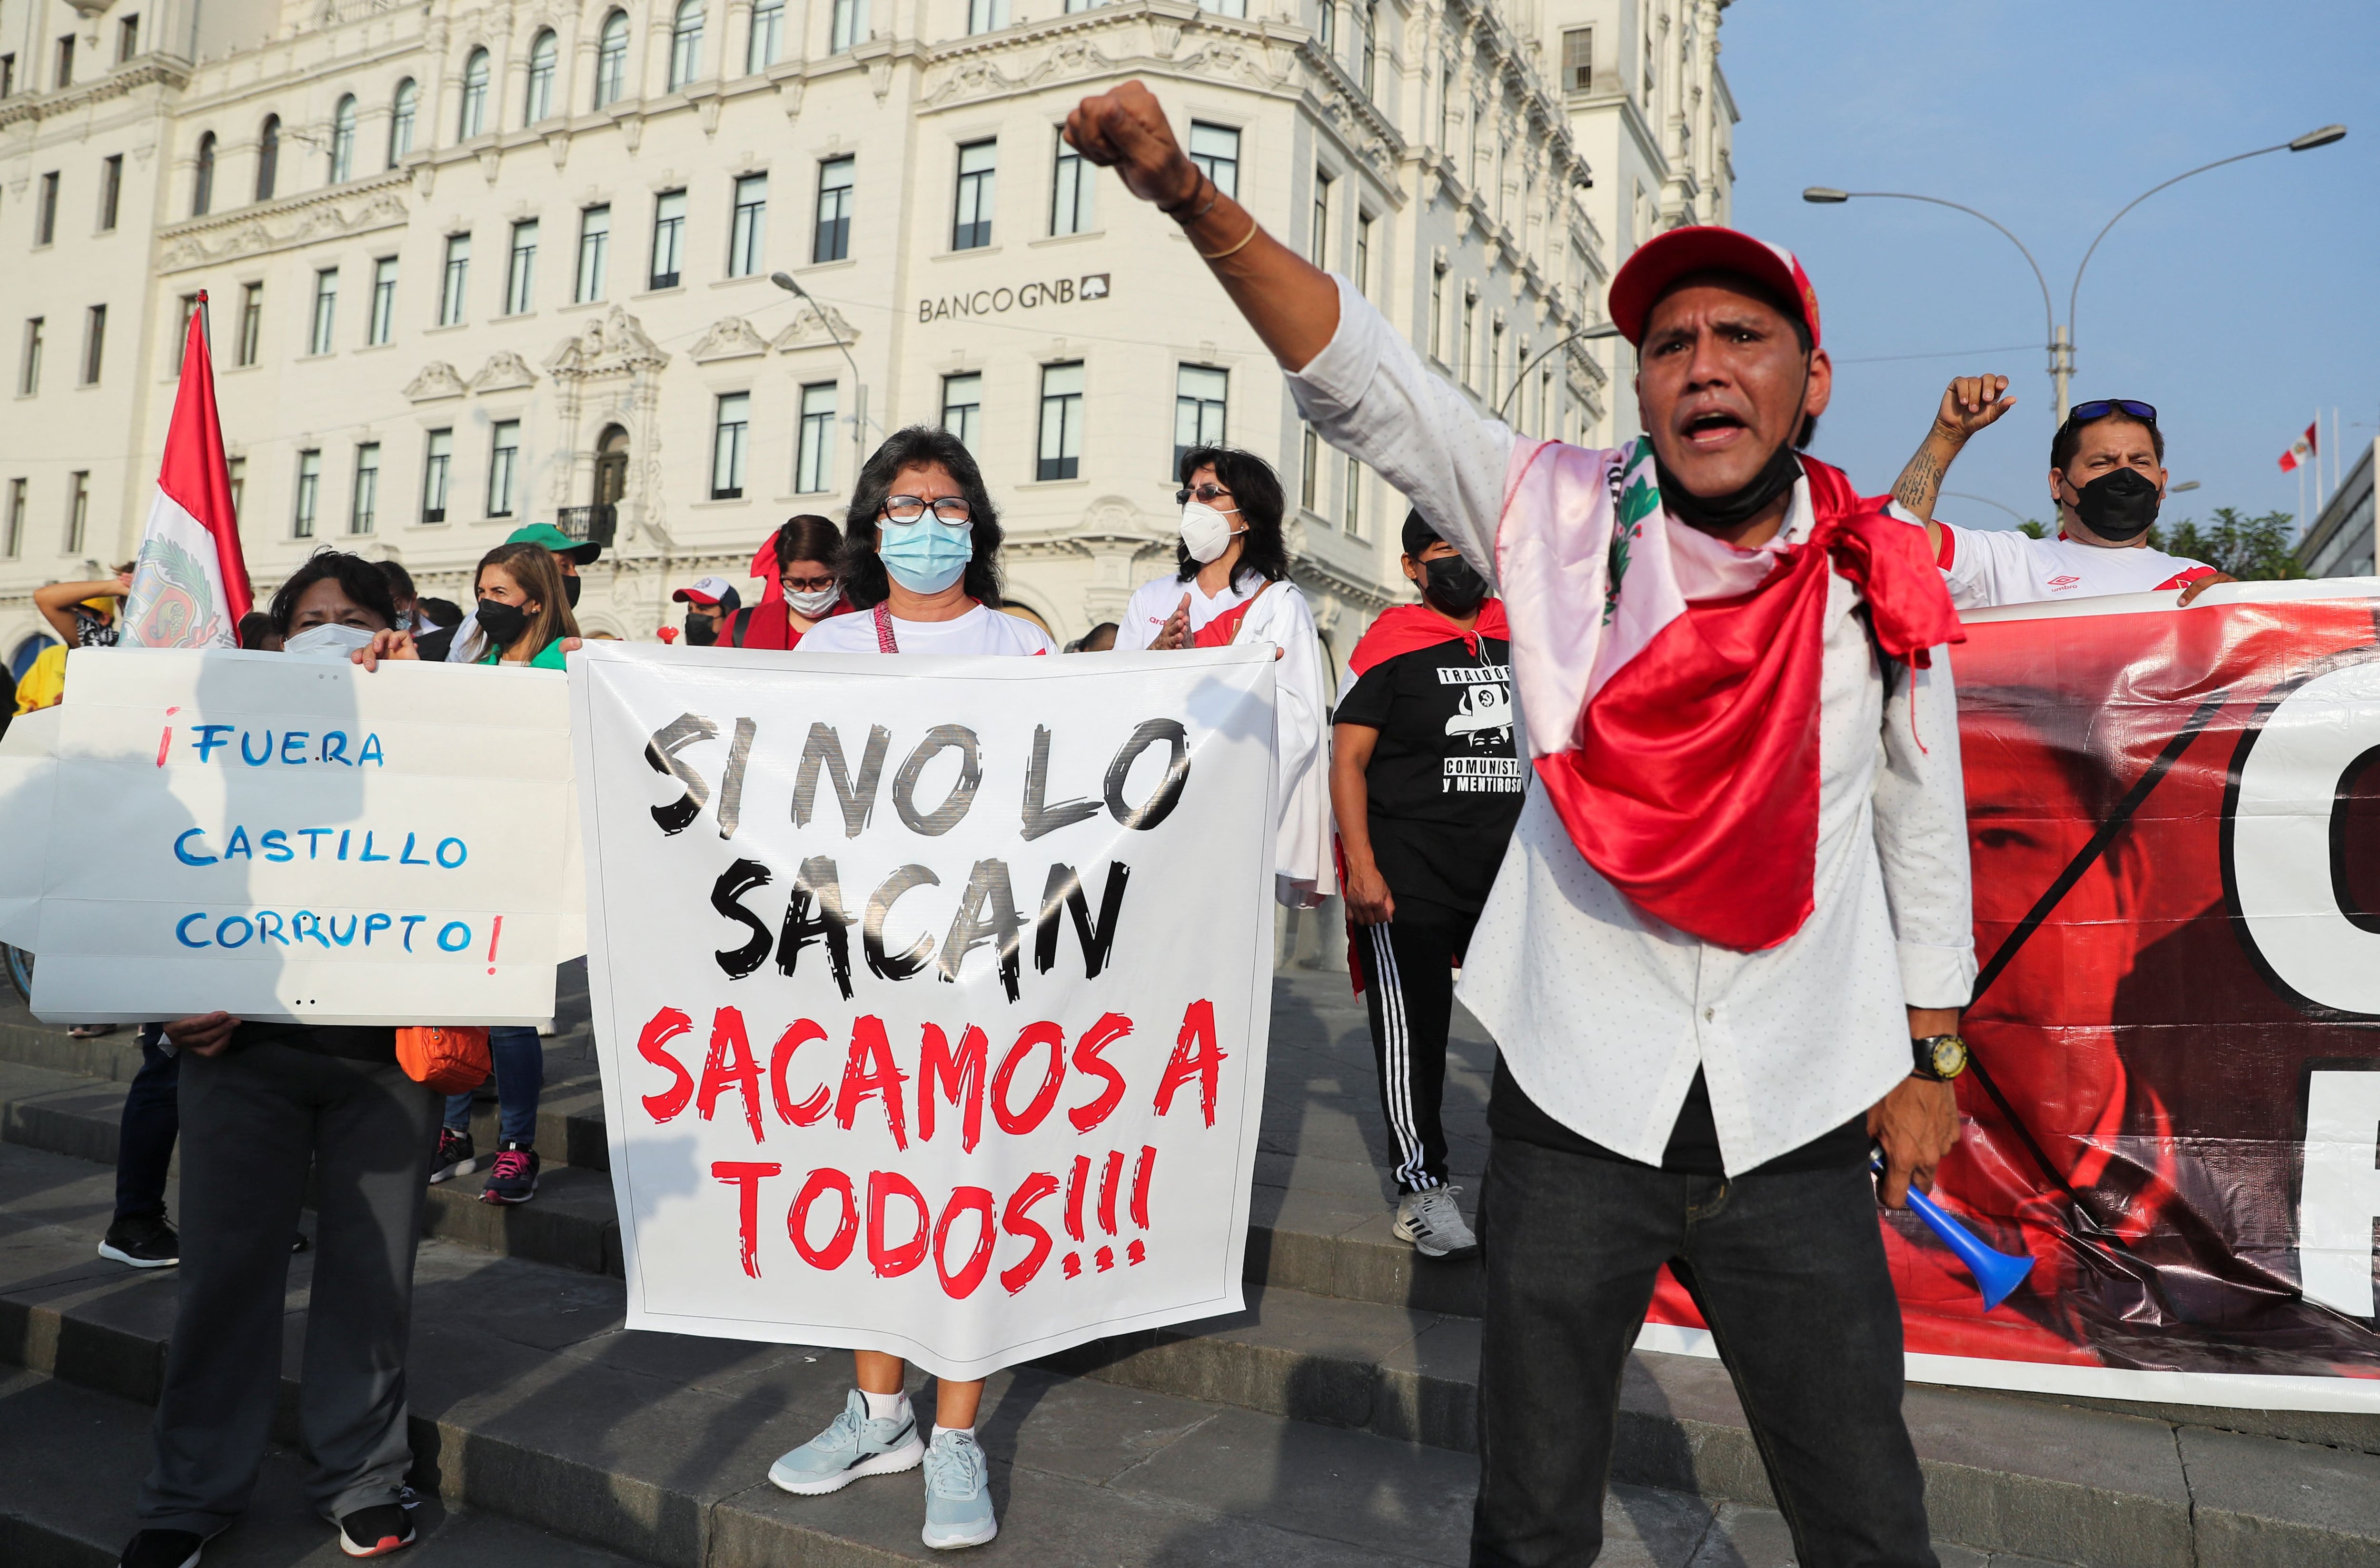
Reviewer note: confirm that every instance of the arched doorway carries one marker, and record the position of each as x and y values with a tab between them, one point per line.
611	467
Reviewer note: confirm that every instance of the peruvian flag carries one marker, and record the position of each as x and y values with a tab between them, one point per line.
190	586
2307	446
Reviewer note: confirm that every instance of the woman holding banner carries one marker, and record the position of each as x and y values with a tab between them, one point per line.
923	551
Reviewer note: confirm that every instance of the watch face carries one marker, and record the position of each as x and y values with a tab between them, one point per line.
1949	1056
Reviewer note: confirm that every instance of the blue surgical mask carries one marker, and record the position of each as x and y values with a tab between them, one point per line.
924	556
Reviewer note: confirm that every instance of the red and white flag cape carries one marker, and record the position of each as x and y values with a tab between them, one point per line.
190	586
2307	446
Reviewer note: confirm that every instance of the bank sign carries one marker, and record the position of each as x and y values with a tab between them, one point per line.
1000	301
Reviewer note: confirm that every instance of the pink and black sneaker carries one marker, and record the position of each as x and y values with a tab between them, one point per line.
513	1177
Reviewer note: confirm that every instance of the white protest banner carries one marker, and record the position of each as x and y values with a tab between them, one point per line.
931	994
289	837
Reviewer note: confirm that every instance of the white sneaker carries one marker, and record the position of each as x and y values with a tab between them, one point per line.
1433	1223
852	1446
958	1494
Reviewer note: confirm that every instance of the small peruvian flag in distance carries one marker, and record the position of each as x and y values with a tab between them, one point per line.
2307	446
189	585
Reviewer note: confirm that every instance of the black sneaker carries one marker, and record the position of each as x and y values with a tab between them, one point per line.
513	1177
375	1531
144	1241
162	1549
456	1156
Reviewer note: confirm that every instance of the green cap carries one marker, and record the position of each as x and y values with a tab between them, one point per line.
546	536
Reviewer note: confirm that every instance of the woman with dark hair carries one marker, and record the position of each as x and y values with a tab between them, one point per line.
921	552
1231	585
334	603
799	563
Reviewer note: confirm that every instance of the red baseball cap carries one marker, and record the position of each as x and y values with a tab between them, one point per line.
1703	248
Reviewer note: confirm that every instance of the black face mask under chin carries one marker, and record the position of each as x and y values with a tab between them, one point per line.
2119	505
1775	479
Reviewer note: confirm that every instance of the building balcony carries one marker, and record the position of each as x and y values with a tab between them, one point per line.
595	525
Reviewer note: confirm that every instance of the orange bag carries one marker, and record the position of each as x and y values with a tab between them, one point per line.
448	1057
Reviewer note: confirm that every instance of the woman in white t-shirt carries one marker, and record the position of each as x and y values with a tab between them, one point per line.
1231	584
922	547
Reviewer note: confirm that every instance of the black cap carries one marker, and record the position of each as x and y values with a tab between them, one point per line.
1419	535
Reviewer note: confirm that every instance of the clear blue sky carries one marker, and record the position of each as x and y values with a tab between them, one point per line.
2236	302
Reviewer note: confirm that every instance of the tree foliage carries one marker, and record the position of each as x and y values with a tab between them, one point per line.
2253	549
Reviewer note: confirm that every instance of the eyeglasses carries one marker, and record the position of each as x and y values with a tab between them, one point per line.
951	509
807	585
2099	408
1210	494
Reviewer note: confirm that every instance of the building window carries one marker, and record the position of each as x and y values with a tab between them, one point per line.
78	509
326	308
63	76
111	191
436	459
45	210
473	120
1365	75
748	234
685	44
1216	151
363	510
735	416
1577	59
309	490
382	326
594	252
668	239
971	212
611	60
7	76
849	26
1070	192
1364	253
251	322
268	157
1309	473
1318	242
768	36
182	336
1351	502
1199	394
238	468
963	407
127	39
503	454
1061	455
1326	25
342	140
984	15
1225	8
203	181
832	239
453	280
1496	359
1469	371
29	363
400	120
520	270
814	449
539	100
16	519
94	343
1547	416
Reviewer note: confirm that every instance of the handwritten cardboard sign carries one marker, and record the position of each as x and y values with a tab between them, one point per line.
289	837
931	994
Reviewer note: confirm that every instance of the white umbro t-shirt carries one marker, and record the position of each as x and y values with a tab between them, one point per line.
1988	567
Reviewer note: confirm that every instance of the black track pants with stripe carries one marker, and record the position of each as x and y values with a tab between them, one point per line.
1409	992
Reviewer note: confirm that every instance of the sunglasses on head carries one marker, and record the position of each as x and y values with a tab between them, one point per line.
2100	408
1210	494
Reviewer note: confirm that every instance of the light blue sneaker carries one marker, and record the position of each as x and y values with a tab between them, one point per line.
852	1446
958	1494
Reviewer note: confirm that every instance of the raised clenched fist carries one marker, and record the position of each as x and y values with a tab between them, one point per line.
1124	129
1970	402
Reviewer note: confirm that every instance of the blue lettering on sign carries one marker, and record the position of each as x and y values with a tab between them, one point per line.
348	940
411	921
375	922
342	843
367	854
461	854
306	923
405	855
335	753
293	740
223	931
450	929
239	844
182	930
251	757
181	849
370	753
313	841
276	845
268	929
209	739
297	926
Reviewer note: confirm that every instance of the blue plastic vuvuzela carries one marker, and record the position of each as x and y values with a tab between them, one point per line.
1996	1274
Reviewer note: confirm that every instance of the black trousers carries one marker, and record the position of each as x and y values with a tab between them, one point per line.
1408	967
153	1119
1789	1271
255	1120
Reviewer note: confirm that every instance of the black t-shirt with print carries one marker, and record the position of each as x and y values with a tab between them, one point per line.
1445	779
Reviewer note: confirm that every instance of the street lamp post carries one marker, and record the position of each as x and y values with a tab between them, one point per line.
2062	337
792	285
1520	377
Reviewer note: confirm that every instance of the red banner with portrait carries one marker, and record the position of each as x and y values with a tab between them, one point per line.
2174	817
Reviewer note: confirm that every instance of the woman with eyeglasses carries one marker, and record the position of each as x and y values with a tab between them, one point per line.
1230	585
923	553
798	565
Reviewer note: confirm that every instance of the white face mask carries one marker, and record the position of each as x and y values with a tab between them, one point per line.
815	602
330	638
1206	533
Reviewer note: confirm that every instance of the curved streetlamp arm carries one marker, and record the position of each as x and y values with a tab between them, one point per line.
1966	495
2049	313
2077	294
1520	377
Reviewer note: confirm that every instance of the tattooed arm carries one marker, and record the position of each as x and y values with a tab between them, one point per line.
1968	405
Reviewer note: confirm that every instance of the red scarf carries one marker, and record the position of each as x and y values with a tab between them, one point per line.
1693	783
1408	629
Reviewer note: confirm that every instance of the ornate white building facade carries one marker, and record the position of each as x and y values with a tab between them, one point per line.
472	265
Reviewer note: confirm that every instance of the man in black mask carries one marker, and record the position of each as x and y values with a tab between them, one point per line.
1425	783
708	605
2107	477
